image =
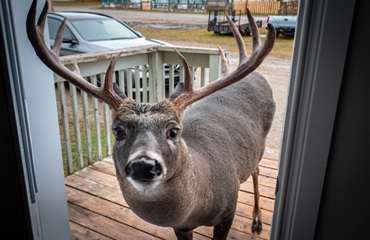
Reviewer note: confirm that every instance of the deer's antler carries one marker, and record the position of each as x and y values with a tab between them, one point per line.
51	59
246	65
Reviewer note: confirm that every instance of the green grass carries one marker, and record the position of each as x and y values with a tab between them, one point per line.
95	156
202	38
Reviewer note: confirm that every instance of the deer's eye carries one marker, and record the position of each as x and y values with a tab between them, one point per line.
172	133
119	134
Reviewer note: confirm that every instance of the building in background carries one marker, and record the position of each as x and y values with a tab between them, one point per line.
256	6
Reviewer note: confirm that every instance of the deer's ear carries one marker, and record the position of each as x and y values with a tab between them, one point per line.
177	91
118	91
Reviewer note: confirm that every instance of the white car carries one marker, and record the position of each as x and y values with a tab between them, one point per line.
92	32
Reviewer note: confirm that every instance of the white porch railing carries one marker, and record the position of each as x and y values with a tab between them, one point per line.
140	72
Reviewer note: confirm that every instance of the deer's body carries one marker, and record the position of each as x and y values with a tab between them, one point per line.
223	138
183	169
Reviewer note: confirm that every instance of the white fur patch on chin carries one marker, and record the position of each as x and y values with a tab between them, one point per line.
147	189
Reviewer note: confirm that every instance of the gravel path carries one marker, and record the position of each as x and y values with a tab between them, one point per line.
277	72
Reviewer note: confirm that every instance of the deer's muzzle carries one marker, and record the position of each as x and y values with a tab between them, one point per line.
143	169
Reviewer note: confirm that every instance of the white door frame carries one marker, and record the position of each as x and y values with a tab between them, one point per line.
33	96
321	42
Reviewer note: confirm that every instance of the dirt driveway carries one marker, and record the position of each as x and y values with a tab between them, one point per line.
277	72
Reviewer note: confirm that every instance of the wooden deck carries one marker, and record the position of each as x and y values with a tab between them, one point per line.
97	209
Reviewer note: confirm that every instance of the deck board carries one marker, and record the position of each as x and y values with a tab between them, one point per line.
97	209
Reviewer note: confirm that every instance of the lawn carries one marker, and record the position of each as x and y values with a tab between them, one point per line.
203	38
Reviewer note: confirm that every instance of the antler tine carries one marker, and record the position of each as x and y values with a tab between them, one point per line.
59	39
254	30
42	18
245	67
188	77
51	58
108	84
225	66
239	41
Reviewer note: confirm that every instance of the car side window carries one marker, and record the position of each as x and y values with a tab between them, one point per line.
54	25
102	29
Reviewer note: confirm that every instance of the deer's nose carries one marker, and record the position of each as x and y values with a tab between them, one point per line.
143	170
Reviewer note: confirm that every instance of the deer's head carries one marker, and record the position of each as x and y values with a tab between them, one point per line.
149	147
148	142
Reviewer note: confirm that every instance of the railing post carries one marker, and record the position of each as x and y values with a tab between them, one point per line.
106	111
214	67
86	117
65	124
76	125
97	123
156	76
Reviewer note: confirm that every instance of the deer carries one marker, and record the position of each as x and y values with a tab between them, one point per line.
180	161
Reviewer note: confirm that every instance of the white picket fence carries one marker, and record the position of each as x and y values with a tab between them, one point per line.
85	122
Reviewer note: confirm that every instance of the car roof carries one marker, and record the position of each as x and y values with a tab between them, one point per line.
79	15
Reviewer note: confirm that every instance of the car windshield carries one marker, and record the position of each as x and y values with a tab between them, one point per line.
102	29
